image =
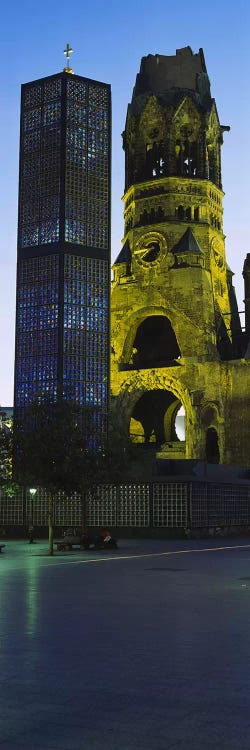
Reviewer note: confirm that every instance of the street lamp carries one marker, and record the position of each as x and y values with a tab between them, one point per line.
32	494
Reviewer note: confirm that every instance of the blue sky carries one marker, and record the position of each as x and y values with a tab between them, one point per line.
109	41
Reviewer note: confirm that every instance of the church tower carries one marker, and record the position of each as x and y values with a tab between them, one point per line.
174	318
63	250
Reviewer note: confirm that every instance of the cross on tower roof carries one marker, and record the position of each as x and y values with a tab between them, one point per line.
68	52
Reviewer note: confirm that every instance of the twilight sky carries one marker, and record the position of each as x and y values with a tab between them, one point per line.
109	40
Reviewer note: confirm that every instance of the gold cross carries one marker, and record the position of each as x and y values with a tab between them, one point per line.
67	52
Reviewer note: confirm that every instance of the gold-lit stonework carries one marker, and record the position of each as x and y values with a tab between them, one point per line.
175	328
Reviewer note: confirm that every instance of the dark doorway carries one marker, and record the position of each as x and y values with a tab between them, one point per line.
212	446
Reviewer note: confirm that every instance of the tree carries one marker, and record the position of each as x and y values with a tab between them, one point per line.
50	452
5	454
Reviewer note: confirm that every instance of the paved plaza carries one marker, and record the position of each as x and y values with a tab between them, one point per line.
143	648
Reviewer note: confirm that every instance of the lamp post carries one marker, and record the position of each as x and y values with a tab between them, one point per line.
32	494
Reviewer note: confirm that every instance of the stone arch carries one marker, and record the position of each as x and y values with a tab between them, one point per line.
176	395
155	412
155	343
211	423
170	418
210	415
135	321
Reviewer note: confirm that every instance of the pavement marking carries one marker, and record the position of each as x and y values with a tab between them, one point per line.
148	554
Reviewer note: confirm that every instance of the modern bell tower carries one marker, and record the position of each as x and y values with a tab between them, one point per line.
63	255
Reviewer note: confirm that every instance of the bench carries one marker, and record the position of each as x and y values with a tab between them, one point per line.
68	544
1	547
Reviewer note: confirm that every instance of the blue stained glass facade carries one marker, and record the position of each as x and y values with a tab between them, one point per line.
62	312
87	164
36	329
40	163
85	341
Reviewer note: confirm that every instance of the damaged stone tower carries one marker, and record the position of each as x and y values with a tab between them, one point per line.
177	343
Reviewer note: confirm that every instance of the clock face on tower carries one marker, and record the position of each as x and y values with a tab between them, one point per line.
150	253
150	248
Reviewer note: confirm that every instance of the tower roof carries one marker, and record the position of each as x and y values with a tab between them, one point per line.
187	244
124	255
165	75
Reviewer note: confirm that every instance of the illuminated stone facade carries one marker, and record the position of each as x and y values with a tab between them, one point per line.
176	333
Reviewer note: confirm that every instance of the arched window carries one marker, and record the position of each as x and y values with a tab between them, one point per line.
180	212
186	157
212	163
155	343
155	160
212	446
154	418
